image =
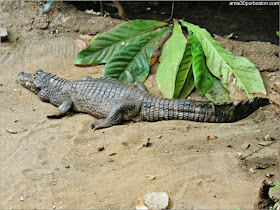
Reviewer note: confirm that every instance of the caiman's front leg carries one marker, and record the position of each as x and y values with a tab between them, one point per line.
62	109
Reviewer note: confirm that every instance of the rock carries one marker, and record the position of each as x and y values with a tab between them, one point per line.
4	34
269	175
21	198
140	205
156	200
267	137
261	166
100	148
252	171
264	143
264	201
245	146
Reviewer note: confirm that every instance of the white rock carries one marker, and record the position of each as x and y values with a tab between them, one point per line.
156	200
4	34
267	137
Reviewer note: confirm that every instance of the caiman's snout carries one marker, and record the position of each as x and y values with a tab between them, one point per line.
27	80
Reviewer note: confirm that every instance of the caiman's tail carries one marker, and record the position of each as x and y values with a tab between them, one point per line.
156	108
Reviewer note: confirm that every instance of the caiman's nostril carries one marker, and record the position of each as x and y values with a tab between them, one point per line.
20	74
39	71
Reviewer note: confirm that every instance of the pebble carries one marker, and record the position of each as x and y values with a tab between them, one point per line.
4	34
246	145
269	175
252	171
261	166
21	198
11	131
156	200
264	143
100	149
267	137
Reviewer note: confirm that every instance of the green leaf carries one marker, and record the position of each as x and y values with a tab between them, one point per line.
132	62
277	33
103	46
171	57
183	70
223	63
276	205
46	7
202	77
217	92
274	188
188	85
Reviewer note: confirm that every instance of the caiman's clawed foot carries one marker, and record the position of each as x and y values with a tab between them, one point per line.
55	115
101	123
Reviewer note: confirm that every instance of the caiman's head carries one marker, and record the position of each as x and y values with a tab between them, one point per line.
33	82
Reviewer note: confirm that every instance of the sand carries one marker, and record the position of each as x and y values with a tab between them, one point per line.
55	163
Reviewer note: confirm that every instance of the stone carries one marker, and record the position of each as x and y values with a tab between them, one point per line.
4	34
156	200
267	137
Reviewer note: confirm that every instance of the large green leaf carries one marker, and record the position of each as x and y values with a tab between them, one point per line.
183	71
188	85
132	62
223	63
172	54
202	77
46	7
217	92
104	45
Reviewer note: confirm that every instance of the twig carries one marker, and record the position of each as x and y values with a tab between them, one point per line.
259	149
121	11
172	10
101	9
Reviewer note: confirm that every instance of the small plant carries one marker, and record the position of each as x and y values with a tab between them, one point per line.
277	33
277	200
186	62
46	7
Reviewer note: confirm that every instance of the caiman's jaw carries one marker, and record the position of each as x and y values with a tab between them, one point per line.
28	81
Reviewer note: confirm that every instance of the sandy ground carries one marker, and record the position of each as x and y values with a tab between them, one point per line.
55	163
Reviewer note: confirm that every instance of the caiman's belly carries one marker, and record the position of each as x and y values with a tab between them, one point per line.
93	107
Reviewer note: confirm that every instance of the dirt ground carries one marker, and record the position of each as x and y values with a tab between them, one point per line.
55	163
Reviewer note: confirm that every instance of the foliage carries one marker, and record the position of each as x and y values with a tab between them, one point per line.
46	7
277	33
195	60
132	62
172	54
222	63
103	46
277	200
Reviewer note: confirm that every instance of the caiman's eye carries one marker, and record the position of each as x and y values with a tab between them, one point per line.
34	75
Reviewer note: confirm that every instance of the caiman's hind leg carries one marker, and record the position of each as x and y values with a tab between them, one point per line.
140	86
87	78
122	110
62	109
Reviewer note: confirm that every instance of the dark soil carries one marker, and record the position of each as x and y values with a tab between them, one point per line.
248	23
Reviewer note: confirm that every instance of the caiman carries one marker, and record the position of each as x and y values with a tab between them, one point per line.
113	101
